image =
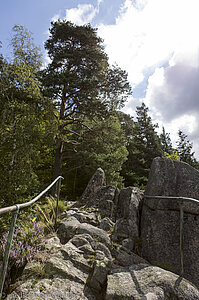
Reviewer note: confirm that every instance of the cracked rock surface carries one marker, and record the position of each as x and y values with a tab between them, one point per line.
160	221
92	257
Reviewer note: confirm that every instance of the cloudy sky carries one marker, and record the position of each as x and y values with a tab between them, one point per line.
155	41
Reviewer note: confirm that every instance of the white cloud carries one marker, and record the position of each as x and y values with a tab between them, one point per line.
83	14
156	41
80	15
160	35
172	94
142	38
55	17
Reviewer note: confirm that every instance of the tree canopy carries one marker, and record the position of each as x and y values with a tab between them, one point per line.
143	145
24	120
184	148
65	117
80	79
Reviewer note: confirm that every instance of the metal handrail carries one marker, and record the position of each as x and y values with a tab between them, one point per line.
173	198
16	209
181	200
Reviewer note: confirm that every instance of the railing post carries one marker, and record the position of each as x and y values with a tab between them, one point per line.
58	194
7	250
181	239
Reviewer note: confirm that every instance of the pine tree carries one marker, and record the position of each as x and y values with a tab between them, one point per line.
80	79
143	146
165	140
184	148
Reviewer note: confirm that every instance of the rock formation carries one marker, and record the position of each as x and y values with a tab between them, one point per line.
94	254
160	224
97	181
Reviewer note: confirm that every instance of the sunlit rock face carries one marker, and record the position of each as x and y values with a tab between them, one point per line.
160	222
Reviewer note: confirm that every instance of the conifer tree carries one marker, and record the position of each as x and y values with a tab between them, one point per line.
165	140
184	148
80	79
143	146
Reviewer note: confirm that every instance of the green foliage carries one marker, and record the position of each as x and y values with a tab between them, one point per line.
173	156
67	115
80	77
165	140
45	212
24	49
184	148
143	145
26	121
101	144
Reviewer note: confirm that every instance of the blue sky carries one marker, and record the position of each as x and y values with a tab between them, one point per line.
36	15
155	41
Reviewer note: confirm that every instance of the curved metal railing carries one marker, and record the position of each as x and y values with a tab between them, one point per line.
181	200
16	209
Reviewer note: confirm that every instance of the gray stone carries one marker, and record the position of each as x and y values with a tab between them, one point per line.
172	178
56	267
100	196
101	268
83	242
97	181
51	244
77	256
82	216
129	202
128	214
104	199
126	259
98	246
106	224
59	266
67	229
98	278
121	230
86	264
51	289
148	282
160	224
65	274
128	244
87	217
96	233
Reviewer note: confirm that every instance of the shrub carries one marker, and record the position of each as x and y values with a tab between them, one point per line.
25	245
46	212
174	155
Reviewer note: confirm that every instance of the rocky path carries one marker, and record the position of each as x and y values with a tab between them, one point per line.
95	255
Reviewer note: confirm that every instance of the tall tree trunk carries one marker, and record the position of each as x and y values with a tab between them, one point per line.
57	171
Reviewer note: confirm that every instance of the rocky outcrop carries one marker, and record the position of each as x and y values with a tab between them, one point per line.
97	181
88	265
94	256
126	230
100	196
147	283
105	199
73	266
160	224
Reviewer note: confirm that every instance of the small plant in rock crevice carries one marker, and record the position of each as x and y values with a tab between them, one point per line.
46	212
